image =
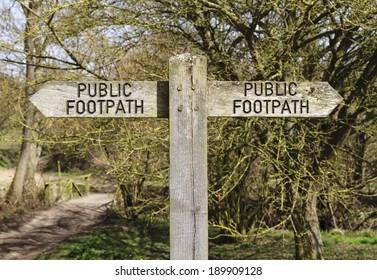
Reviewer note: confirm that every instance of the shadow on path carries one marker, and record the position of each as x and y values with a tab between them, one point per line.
50	227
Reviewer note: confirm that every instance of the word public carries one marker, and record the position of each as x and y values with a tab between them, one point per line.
270	98
104	98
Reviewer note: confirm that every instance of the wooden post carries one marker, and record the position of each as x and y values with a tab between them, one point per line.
188	157
189	107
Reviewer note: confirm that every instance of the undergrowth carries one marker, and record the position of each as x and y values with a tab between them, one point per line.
149	239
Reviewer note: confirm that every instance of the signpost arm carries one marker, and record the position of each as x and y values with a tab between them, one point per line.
188	157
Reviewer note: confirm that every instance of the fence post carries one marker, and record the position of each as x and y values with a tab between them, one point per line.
188	157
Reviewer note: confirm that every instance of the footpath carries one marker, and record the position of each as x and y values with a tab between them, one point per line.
50	227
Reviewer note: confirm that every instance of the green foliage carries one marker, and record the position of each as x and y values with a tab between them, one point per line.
266	173
363	237
149	239
263	173
138	159
143	239
7	158
10	98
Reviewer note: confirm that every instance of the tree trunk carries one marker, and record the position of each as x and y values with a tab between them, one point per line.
308	240
24	185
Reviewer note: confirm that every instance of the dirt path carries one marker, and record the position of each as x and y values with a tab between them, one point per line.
48	228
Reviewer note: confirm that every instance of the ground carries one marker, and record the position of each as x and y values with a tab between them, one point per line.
34	233
50	227
74	230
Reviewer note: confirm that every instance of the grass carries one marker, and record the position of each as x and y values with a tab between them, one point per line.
146	239
117	239
10	143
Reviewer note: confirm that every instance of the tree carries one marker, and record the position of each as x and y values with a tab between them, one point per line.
331	41
24	184
264	173
47	42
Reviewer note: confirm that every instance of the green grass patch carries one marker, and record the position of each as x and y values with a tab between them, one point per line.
356	238
117	239
8	158
149	239
10	144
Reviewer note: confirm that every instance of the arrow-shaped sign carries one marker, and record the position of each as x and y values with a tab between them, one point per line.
271	99
103	99
192	99
151	99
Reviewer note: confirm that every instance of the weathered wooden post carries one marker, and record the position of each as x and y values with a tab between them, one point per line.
188	157
190	102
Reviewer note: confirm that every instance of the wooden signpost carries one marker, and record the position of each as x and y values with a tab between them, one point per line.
95	99
187	99
271	99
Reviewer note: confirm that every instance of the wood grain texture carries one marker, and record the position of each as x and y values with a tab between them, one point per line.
187	99
321	97
188	158
52	99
